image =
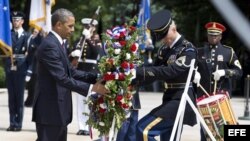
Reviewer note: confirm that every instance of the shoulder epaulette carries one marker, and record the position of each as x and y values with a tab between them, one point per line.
228	46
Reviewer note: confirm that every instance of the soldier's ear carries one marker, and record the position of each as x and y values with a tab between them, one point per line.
220	37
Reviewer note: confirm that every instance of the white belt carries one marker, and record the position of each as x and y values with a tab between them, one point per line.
19	56
92	61
175	85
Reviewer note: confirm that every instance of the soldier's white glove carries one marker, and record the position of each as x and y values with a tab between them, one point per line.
28	75
218	74
150	60
27	78
86	33
197	78
76	53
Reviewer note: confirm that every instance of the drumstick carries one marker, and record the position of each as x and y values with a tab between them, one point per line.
215	82
202	88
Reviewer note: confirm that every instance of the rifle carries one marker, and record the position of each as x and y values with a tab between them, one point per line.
82	41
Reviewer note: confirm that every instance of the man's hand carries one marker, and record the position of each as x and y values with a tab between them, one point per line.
99	88
197	78
218	74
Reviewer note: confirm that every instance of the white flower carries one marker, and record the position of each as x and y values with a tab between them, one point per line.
103	106
130	104
122	101
117	51
116	75
128	56
101	123
133	72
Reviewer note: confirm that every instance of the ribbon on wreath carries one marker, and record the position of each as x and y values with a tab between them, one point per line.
113	131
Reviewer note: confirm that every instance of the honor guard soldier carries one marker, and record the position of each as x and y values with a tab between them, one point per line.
88	62
33	42
217	63
171	66
15	70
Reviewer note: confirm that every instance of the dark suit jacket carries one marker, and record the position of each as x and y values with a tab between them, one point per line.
56	78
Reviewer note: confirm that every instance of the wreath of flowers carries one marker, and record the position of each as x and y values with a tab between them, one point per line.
117	68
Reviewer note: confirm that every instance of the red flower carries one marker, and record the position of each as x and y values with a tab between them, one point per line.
101	110
125	65
134	47
119	98
121	76
123	43
132	28
125	106
122	35
100	100
108	77
131	65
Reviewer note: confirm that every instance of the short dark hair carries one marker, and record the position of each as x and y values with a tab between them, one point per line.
61	15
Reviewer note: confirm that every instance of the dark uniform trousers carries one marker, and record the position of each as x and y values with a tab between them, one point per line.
172	67
15	79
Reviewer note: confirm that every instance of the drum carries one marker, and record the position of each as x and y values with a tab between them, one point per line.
217	112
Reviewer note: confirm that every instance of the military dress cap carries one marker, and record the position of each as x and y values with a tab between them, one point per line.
87	21
17	15
159	23
214	28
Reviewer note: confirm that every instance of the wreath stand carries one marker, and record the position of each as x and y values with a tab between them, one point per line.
180	113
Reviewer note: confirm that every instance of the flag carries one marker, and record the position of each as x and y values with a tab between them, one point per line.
144	13
40	14
5	31
143	17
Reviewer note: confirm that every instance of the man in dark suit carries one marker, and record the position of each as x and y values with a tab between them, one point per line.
15	70
56	78
171	66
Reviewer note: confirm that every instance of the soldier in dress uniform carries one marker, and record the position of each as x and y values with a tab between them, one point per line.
171	66
88	62
33	42
16	71
216	63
